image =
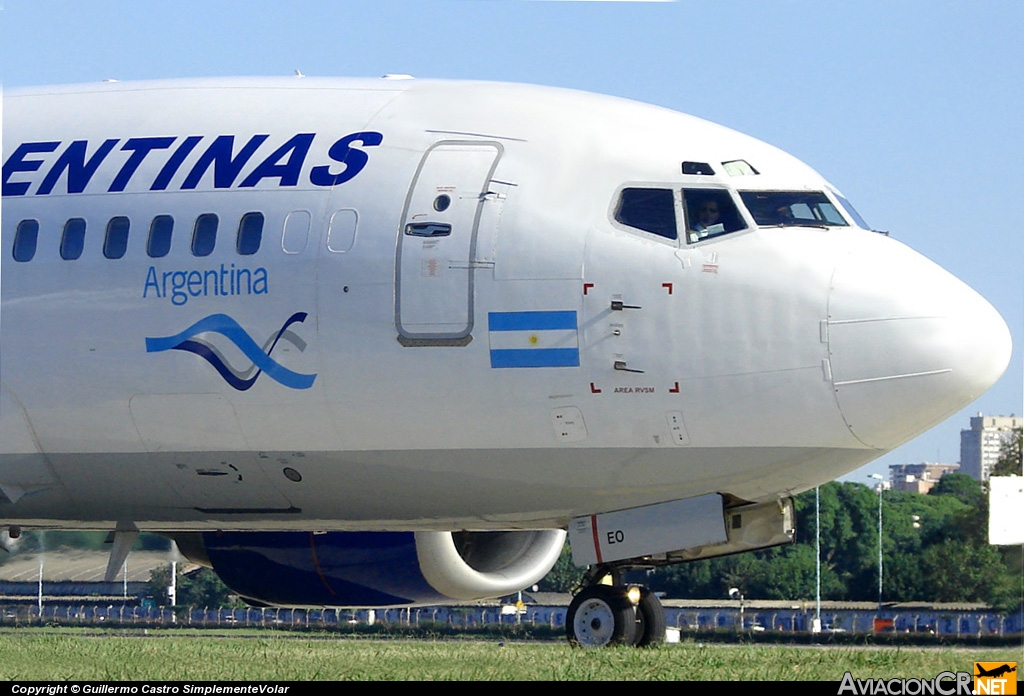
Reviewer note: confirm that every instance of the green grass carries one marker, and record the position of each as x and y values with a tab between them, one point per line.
38	654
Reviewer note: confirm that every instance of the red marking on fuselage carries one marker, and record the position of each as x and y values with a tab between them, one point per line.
597	544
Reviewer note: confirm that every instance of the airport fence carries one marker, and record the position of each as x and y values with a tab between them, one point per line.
702	622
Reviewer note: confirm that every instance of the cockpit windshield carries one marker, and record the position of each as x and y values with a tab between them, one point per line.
792	208
706	212
710	213
852	212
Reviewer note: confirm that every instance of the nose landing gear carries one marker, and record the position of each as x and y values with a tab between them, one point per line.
606	615
599	616
650	620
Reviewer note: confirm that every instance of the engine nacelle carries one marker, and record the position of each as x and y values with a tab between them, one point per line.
373	569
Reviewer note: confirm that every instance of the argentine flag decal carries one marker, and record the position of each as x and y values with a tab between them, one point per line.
533	339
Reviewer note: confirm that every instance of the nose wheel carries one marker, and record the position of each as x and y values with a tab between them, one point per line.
650	620
600	616
604	615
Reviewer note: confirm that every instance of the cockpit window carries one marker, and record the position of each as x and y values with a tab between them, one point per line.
698	168
649	209
796	208
709	213
739	168
852	212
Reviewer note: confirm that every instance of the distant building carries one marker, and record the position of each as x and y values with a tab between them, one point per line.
76	576
980	446
918	478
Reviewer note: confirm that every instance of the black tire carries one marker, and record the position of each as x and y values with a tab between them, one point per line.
601	616
650	620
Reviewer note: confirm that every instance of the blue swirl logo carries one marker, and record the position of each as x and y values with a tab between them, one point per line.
261	361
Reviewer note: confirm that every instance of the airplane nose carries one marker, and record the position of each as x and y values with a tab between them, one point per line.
909	343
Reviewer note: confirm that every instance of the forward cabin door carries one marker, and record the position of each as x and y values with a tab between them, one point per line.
437	243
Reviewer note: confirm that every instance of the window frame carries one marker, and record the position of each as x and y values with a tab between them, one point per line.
797	196
616	204
741	213
152	239
109	250
19	231
67	250
198	245
243	238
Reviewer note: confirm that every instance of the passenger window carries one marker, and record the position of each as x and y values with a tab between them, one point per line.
296	232
115	244
204	236
250	234
72	241
25	240
341	235
159	243
648	209
710	213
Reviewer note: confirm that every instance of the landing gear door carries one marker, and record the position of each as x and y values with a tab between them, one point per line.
437	243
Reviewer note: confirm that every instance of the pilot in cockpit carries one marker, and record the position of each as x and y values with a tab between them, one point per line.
707	220
784	214
707	215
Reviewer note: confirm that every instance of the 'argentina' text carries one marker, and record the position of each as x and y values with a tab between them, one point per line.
179	286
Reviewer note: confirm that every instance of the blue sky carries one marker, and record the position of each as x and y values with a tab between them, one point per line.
913	109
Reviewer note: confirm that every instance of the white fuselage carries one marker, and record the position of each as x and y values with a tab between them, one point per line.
424	237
